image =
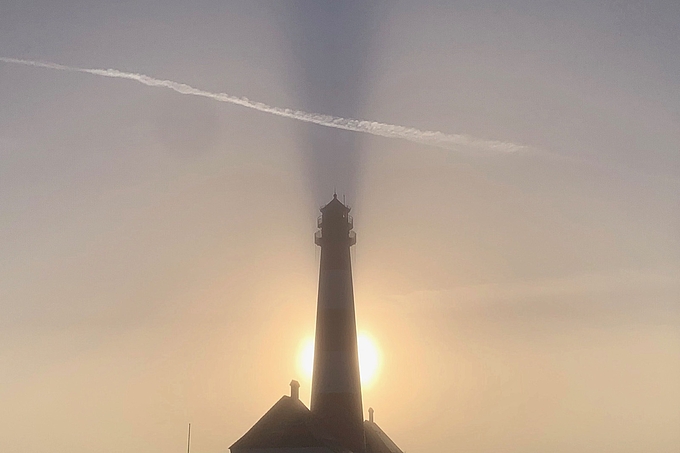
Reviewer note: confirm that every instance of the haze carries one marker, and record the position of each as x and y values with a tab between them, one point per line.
157	264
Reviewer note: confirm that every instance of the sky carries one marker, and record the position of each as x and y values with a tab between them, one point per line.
157	264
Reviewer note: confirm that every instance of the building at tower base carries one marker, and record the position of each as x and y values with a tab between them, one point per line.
290	427
335	422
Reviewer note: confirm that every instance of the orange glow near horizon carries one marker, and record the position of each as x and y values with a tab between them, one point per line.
369	359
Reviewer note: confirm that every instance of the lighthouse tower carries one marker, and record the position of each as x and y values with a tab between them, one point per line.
336	386
334	424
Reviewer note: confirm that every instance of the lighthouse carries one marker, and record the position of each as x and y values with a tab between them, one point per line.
334	423
336	385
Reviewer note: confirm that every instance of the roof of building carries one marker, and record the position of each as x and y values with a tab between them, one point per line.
288	424
377	441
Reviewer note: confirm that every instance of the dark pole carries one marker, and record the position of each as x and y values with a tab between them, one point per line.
189	439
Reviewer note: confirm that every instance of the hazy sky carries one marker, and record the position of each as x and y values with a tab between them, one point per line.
156	257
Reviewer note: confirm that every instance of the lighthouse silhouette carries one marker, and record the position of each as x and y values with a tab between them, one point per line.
335	422
336	384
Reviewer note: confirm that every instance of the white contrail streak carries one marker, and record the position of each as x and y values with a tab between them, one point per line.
432	138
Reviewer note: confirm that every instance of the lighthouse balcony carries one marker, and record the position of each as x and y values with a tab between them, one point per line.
350	221
318	238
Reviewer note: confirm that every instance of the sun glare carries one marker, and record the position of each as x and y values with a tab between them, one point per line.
369	359
306	358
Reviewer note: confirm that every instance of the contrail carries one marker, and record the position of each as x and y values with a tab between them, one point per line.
432	138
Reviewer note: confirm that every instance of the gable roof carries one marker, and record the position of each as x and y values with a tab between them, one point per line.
288	424
377	441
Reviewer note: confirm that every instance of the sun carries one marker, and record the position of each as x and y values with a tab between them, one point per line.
306	358
369	359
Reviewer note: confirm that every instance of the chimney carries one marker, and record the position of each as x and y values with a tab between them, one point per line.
370	414
336	387
295	390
